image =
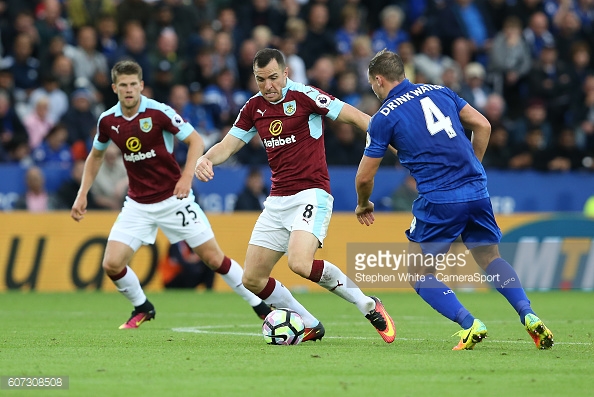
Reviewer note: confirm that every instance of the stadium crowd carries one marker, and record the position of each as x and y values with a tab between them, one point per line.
527	65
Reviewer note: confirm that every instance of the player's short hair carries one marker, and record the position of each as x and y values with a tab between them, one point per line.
387	64
266	55
126	67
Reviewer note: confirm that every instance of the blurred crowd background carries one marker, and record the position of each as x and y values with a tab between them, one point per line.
527	65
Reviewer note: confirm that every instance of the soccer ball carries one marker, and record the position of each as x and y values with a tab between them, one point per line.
283	327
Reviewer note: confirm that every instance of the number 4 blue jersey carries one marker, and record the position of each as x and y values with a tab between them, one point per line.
422	122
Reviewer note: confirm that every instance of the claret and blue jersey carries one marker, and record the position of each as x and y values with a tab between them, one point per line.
422	122
292	133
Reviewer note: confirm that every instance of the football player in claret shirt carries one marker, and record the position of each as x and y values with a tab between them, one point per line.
425	123
288	117
159	193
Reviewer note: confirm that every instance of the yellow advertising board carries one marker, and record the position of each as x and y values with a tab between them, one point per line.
51	252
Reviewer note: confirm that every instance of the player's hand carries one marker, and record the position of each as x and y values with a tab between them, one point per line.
365	213
182	188
79	208
203	170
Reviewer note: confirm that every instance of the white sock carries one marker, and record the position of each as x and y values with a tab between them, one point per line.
129	286
233	280
281	297
335	281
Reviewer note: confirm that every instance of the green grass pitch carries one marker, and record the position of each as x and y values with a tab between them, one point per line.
209	344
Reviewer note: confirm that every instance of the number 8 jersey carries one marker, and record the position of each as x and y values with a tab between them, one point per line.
422	122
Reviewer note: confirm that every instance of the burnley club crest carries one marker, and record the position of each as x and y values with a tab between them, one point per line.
290	108
146	124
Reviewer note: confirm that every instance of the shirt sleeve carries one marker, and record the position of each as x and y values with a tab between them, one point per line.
175	124
244	128
101	140
379	135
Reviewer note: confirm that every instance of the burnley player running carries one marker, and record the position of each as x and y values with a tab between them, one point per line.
159	194
425	123
288	118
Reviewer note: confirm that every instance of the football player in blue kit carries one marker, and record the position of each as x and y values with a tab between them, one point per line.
426	123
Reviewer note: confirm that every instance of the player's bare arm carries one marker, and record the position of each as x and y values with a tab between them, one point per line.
92	166
195	150
216	155
364	186
473	120
354	116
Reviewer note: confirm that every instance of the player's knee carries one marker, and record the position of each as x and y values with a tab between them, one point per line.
112	267
300	266
253	284
212	257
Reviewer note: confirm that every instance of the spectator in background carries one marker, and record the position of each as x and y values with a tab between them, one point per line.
494	112
406	50
226	96
509	63
23	66
66	193
537	34
529	154
11	126
579	69
200	68
247	51
343	145
565	155
18	152
50	23
227	20
79	119
111	183
35	199
261	12
166	65
346	87
462	52
252	197
550	80
183	268
134	42
404	196
525	9
37	123
348	31
498	152
89	65
107	30
22	23
223	56
133	10
431	62
297	71
57	99
57	46
475	91
85	13
202	116
54	150
362	54
319	40
390	34
262	36
64	73
569	31
322	74
534	117
584	115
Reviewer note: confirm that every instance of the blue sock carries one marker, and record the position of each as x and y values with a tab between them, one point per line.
443	299
508	284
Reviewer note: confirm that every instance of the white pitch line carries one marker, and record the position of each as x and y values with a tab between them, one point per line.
209	329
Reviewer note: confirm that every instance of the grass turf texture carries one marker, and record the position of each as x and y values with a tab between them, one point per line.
76	334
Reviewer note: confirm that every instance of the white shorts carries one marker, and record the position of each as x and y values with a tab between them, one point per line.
308	210
178	219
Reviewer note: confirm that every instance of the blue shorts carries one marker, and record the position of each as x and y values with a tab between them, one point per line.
437	226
